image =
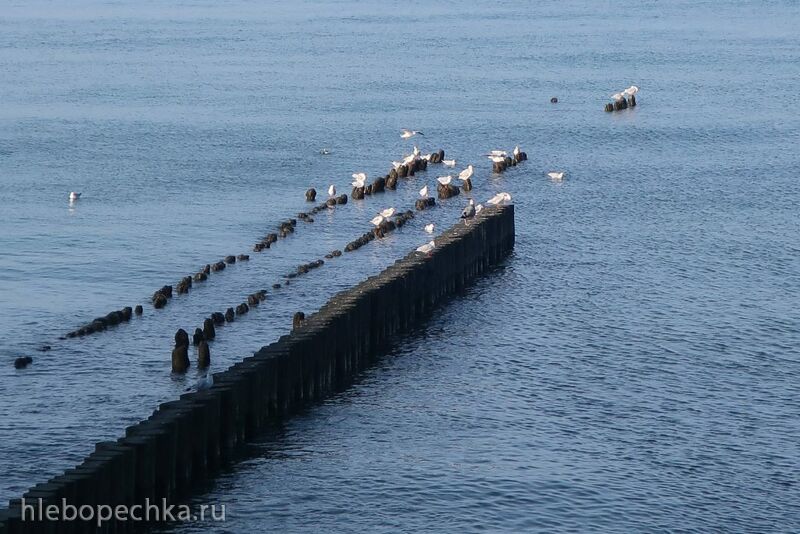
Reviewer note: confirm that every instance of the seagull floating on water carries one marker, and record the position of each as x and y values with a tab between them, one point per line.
469	211
388	212
429	228
73	196
449	162
332	191
324	151
556	176
445	180
424	192
408	134
466	174
427	248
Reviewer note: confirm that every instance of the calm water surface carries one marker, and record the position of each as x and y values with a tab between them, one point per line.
632	367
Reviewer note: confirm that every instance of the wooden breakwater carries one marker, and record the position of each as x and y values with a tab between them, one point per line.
186	440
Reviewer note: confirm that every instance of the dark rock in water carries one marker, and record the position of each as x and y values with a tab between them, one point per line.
114	318
391	183
341	199
44	348
230	259
22	362
310	219
423	164
311	195
291	275
181	337
219	266
166	291
209	332
207	269
631	101
258	247
72	334
180	359
252	300
276	286
197	337
138	310
159	300
261	294
440	156
620	104
467	185
357	193
331	202
271	238
509	161
242	308
368	189
498	166
184	285
420	204
554	100
243	257
298	319
402	171
218	318
379	185
336	253
393	174
126	312
203	355
229	315
329	256
609	107
200	277
447	191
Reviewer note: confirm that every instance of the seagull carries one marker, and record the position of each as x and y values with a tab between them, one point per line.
407	134
497	159
325	152
449	162
616	97
415	152
469	211
516	151
429	228
632	90
396	164
499	198
73	196
332	191
478	208
359	179
502	153
424	192
388	212
204	383
377	220
427	248
556	176
408	159
466	174
445	180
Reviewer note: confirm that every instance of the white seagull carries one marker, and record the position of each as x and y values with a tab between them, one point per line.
73	196
415	152
332	191
497	159
388	212
445	180
616	97
478	208
204	383
424	192
408	134
449	162
556	176
502	153
377	220
469	211
429	228
359	179
516	151
427	248
499	198
466	174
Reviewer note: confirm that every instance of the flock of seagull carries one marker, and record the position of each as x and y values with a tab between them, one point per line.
622	95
